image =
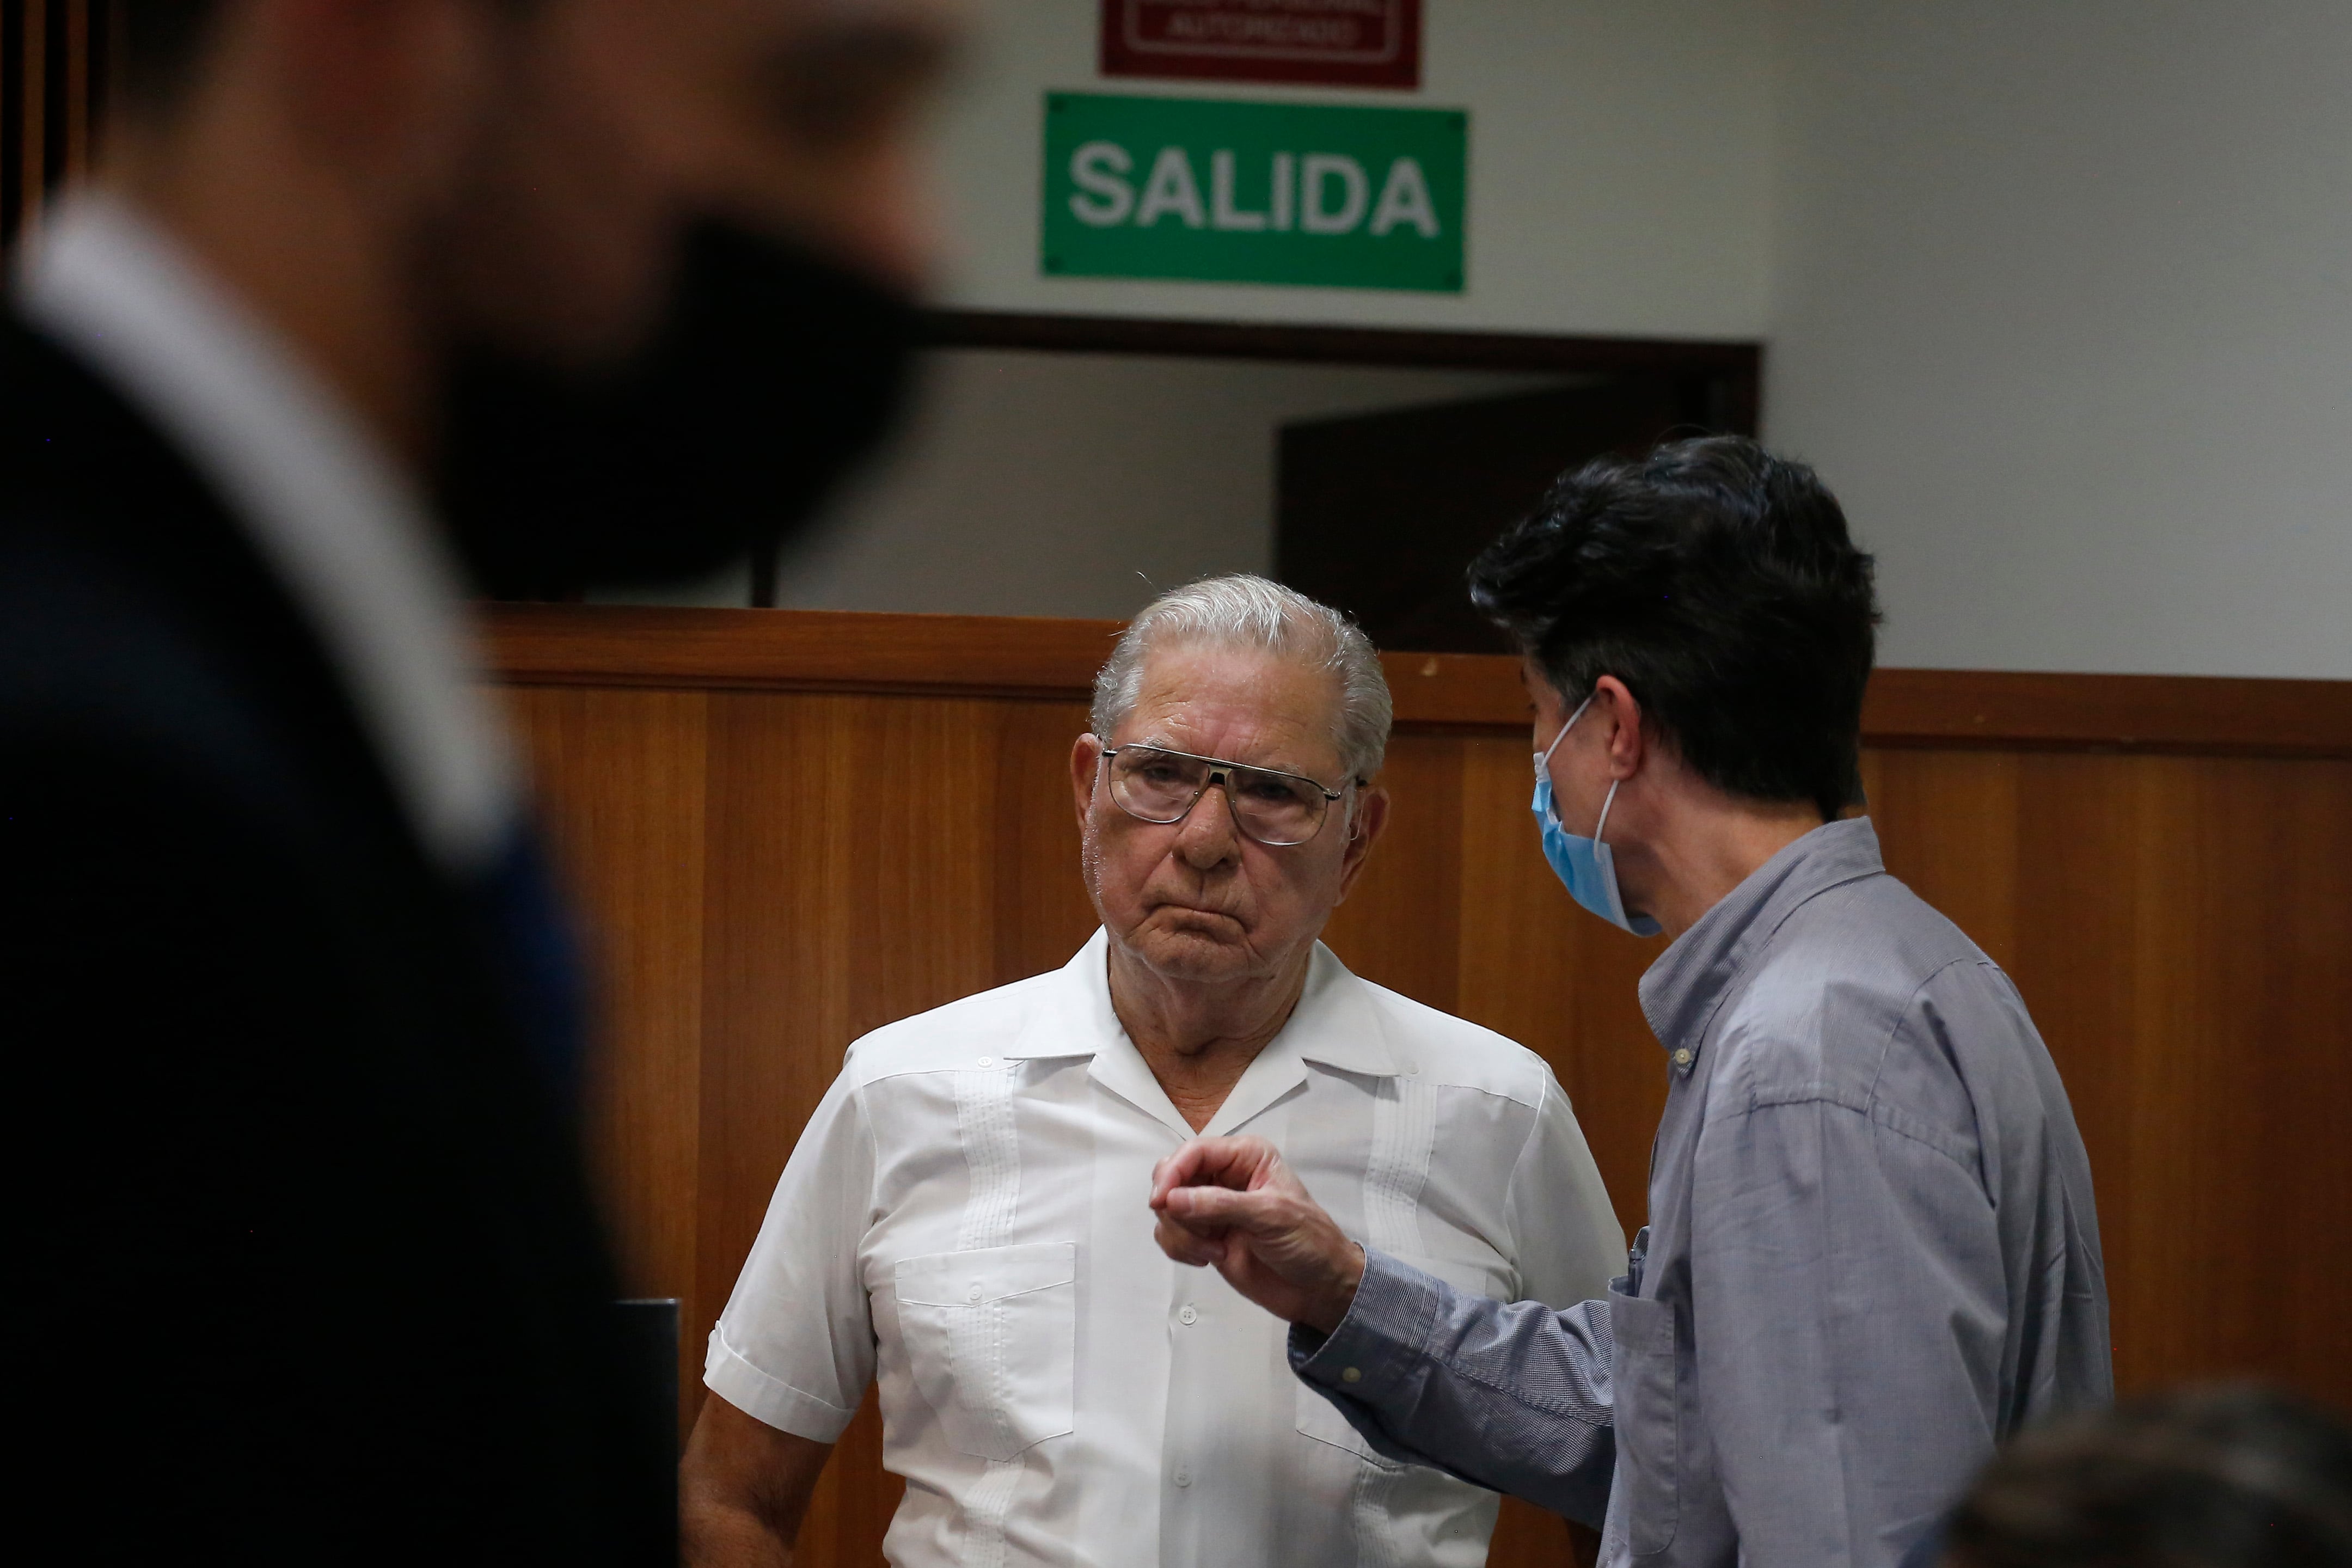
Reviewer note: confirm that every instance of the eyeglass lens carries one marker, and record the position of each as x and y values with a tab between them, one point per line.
1161	786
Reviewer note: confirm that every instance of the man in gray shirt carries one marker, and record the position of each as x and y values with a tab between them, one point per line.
1871	1251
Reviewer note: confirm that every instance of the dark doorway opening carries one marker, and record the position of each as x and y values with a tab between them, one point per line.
1380	514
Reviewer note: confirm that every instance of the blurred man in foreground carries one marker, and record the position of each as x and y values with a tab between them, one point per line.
958	1218
304	1264
1872	1252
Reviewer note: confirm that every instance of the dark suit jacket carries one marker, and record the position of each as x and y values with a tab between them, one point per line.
303	1266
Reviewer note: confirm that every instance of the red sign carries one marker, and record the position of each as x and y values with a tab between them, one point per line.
1336	43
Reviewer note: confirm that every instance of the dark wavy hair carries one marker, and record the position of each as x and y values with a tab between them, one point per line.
1718	583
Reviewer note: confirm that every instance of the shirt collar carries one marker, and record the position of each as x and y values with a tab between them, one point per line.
1333	1025
1683	989
334	518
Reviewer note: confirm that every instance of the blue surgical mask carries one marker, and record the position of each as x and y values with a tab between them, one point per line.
1584	864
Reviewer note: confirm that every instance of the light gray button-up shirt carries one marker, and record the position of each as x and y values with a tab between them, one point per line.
1872	1254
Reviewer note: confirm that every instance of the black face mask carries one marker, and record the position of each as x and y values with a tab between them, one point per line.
774	373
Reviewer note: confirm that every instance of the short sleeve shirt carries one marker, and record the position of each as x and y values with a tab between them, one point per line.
964	1223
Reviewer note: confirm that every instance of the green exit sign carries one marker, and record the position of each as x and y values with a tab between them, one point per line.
1253	193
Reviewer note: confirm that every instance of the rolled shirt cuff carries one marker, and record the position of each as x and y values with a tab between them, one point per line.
1380	1341
769	1400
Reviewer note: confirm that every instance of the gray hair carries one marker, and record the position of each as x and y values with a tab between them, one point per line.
1245	611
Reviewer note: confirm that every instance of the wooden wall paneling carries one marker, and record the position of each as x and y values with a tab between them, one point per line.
851	1511
1399	926
2141	904
1616	1077
779	977
2078	969
2199	713
2194	1117
1042	914
2234	1195
1513	958
2304	1067
1422	921
932	847
1526	1537
919	814
606	645
1947	822
997	657
2174	911
620	777
1537	968
777	956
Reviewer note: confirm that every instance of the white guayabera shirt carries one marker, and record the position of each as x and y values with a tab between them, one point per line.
965	1219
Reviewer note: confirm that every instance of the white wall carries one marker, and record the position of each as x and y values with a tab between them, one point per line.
2062	306
1618	168
1083	484
2058	296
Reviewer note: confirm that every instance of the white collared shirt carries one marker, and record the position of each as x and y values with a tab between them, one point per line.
965	1219
334	518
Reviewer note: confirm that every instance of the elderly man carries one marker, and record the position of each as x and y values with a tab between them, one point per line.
964	1219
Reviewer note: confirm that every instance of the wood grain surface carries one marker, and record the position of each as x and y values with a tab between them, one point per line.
776	863
840	650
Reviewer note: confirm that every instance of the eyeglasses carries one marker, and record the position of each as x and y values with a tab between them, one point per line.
1160	785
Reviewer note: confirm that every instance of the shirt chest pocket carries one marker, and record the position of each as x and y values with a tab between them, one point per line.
990	1336
1646	1498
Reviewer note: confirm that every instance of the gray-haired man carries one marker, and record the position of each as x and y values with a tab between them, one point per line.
959	1221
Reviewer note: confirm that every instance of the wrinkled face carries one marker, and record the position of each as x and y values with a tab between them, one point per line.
1198	900
620	122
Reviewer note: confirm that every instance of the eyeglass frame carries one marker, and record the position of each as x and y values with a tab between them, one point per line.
1221	772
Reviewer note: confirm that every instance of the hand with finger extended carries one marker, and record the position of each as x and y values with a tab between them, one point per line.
1233	1205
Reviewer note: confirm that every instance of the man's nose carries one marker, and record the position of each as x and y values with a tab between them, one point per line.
1209	835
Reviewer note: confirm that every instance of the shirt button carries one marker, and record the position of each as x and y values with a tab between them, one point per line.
988	1061
1183	1478
1353	1374
1187	1317
973	1294
1683	1057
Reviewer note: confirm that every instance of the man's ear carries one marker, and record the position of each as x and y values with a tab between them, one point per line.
1619	713
1085	763
1369	819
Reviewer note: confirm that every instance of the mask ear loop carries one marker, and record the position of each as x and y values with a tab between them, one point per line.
1606	801
1544	760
